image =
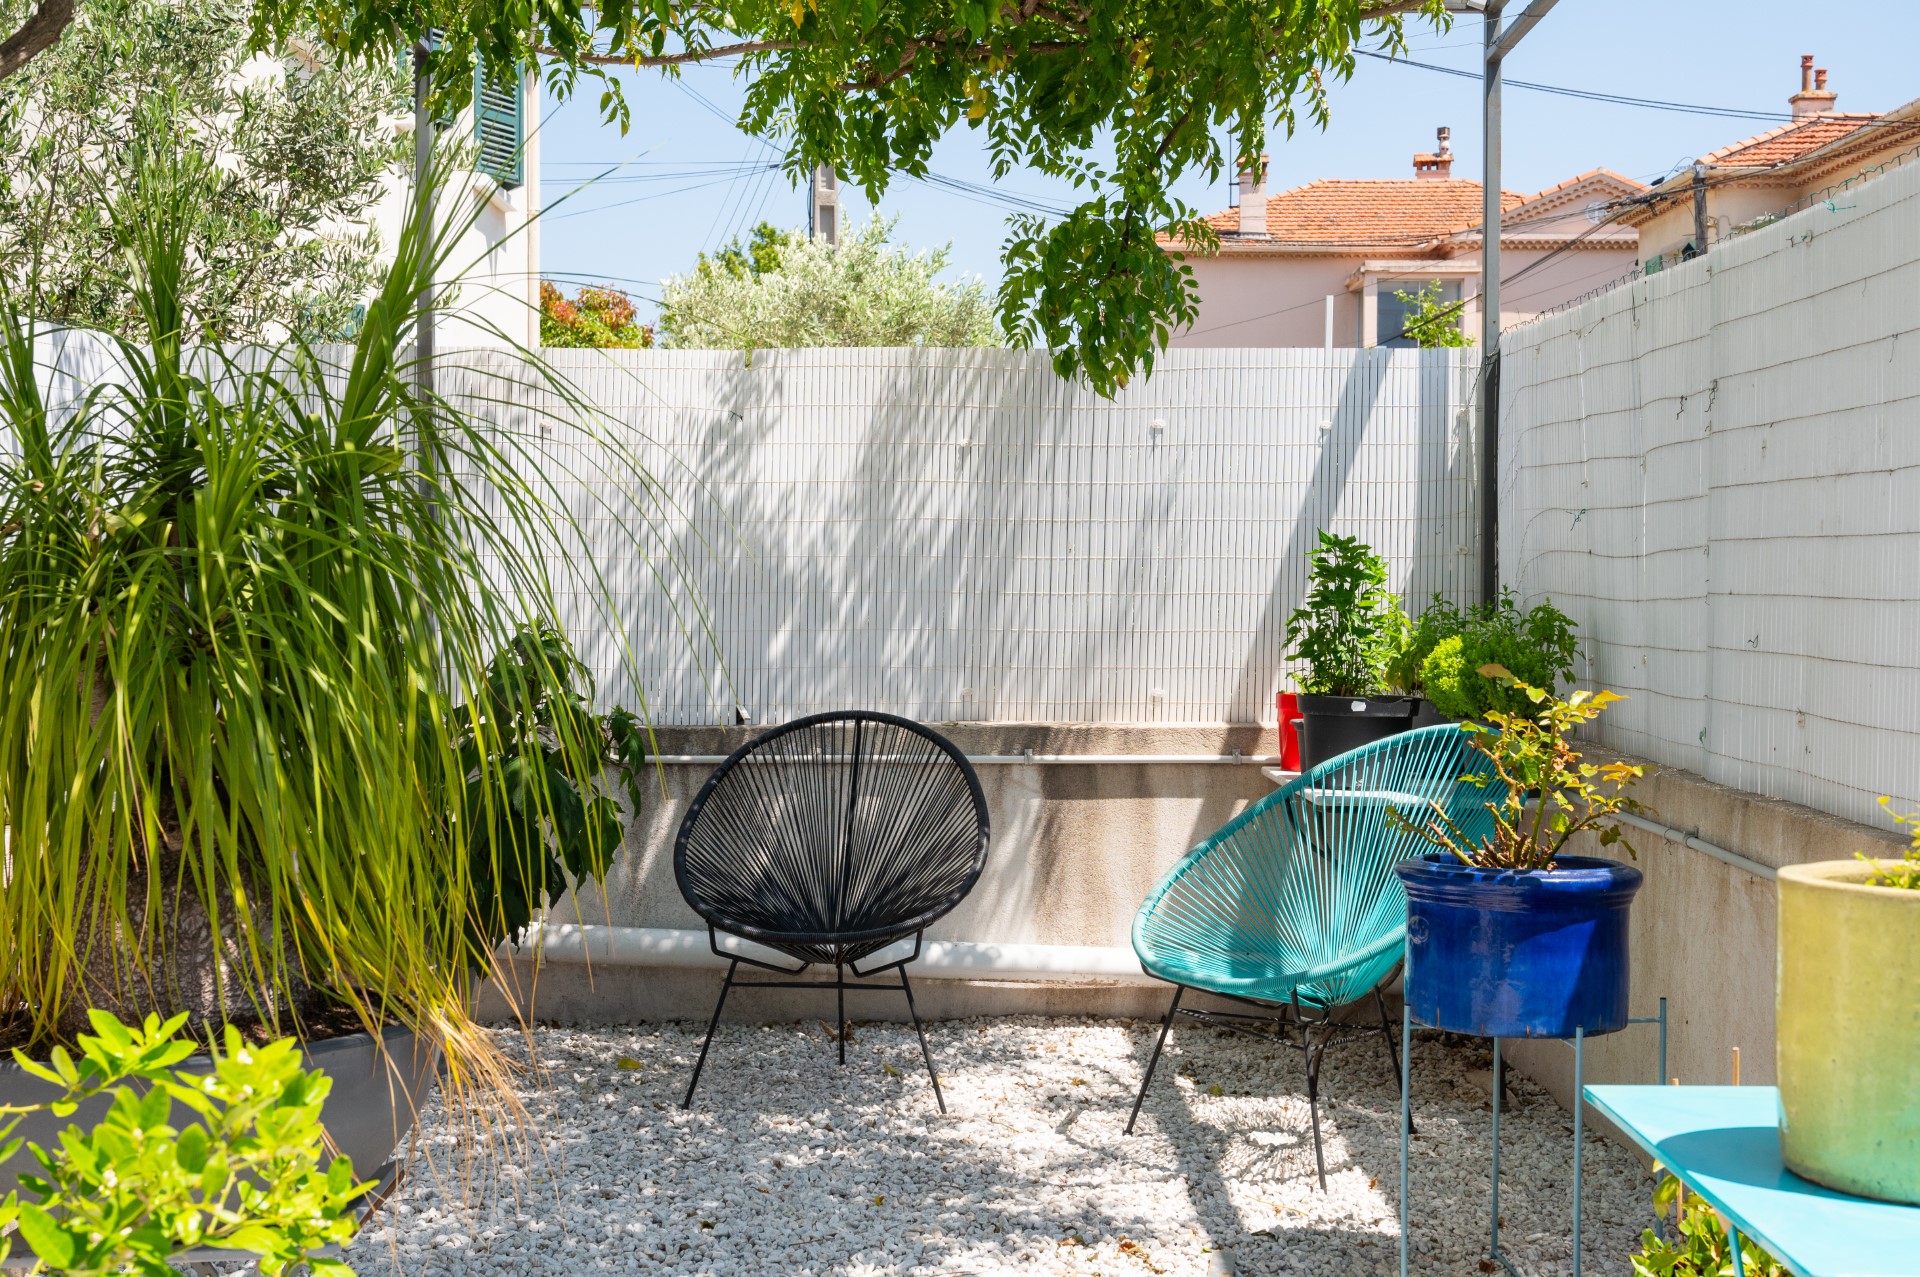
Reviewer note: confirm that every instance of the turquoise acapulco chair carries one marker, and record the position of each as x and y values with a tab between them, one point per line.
1293	907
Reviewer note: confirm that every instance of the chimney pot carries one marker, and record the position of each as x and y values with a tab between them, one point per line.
1253	200
1814	97
1440	163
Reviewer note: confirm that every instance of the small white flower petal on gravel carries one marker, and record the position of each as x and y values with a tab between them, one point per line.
791	1164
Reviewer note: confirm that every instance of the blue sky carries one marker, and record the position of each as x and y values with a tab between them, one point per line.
689	180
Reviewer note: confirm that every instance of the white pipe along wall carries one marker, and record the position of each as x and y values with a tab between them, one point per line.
591	944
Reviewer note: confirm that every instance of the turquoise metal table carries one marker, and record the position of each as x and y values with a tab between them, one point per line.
1723	1143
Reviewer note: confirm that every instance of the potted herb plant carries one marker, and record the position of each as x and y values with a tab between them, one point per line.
1507	936
292	736
1538	646
1343	634
1411	642
1848	1023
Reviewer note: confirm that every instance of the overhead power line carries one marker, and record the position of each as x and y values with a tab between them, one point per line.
1590	95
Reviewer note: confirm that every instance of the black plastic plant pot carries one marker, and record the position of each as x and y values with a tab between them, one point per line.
1335	725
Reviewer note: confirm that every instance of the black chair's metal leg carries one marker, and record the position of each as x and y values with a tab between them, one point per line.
840	994
1313	1085
1154	1060
1393	1053
925	1054
712	1024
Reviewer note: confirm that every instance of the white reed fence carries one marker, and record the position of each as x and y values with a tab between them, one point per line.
1716	470
960	535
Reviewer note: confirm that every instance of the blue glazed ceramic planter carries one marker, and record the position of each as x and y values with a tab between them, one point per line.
1512	954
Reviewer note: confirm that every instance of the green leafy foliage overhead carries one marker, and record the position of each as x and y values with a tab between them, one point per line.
784	289
1118	99
299	140
230	1157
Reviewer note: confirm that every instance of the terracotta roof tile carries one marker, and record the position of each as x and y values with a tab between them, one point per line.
1385	213
1788	142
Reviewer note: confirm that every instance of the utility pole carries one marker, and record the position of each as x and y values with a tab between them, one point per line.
823	205
1497	42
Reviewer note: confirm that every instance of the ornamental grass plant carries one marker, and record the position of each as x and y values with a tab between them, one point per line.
259	763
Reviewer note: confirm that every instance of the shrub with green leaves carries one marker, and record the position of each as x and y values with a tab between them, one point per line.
1904	872
1344	631
788	290
560	819
1701	1247
243	1172
1413	641
1538	646
1551	794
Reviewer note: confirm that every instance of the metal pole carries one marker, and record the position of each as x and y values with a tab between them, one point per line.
1579	1103
1490	306
423	315
1699	208
1493	1242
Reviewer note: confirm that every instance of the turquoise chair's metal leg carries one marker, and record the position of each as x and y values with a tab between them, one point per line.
1733	1242
1154	1060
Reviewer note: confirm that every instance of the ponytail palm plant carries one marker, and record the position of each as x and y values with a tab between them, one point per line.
256	752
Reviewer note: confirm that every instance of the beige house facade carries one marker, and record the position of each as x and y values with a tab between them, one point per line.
1323	264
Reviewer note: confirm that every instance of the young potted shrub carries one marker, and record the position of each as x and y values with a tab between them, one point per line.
1537	646
1343	633
1411	642
264	764
1506	936
1848	1023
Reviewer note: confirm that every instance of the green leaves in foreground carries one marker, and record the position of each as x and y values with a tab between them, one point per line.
1701	1247
229	1157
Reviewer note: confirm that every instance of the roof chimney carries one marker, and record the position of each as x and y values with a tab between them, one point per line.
1440	163
1814	98
1253	200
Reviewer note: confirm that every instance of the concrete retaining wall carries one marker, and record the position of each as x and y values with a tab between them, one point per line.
1076	848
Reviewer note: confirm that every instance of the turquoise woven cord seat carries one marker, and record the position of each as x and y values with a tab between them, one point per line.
1293	907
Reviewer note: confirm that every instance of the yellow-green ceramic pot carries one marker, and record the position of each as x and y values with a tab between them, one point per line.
1849	1031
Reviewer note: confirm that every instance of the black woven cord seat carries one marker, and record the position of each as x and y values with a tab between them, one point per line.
829	839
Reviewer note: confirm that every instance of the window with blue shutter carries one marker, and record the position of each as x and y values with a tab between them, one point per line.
499	128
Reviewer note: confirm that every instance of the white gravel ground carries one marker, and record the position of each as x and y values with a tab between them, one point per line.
790	1164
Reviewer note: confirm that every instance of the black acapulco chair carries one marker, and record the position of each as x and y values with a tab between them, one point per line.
830	839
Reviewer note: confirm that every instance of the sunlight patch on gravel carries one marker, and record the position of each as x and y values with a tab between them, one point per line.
790	1164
